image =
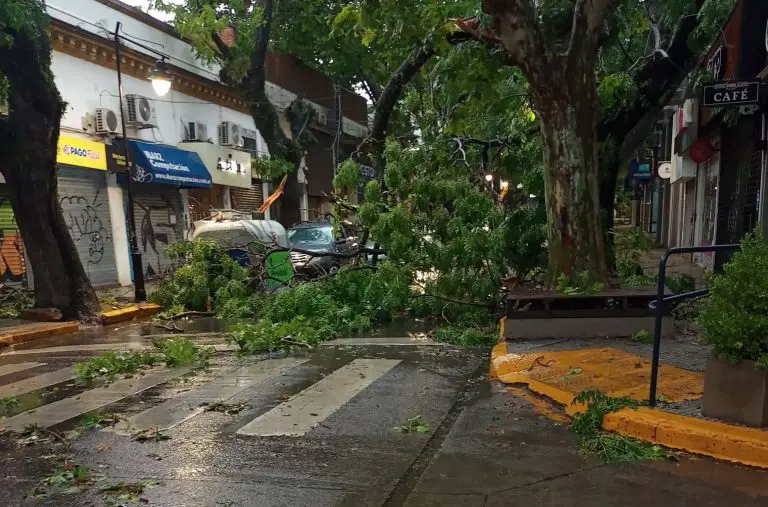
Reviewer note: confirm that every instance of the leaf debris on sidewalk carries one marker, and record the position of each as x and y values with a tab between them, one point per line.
225	408
414	425
126	491
152	434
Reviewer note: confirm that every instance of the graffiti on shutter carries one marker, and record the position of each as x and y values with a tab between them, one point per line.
13	269
159	223
83	200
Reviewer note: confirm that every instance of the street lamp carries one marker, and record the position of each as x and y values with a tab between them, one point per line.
161	78
161	82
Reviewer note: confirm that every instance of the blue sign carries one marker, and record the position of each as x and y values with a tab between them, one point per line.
165	165
641	170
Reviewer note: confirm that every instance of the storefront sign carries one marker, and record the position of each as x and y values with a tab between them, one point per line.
731	93
228	167
166	165
80	152
665	171
641	170
116	162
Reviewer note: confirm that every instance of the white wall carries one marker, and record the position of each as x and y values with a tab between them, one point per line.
86	86
100	19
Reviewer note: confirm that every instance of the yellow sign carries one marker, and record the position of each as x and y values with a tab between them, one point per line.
81	153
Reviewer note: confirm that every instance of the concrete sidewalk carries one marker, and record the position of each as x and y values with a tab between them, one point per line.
30	331
561	369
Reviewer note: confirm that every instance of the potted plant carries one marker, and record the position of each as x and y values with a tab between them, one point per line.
735	323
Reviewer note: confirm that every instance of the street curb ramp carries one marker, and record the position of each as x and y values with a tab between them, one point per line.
738	444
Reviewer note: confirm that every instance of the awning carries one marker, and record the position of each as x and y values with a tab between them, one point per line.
165	165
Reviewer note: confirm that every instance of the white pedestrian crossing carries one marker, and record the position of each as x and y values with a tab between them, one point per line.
93	399
295	417
8	369
306	410
175	411
37	382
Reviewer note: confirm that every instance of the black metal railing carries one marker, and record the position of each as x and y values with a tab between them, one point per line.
661	302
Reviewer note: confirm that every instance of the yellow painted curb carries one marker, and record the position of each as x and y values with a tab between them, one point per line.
36	331
131	312
720	440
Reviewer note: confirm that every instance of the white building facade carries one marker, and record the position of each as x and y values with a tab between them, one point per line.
197	120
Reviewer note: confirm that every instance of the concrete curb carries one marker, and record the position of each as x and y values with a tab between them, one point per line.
130	313
719	440
38	330
30	332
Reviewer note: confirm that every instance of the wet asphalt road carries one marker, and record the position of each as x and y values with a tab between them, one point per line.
484	446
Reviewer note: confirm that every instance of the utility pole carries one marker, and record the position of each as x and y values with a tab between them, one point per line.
140	292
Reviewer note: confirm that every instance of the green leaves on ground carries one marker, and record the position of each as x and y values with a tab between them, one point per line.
173	352
96	421
413	425
14	300
183	352
67	480
125	492
8	403
150	435
609	447
111	364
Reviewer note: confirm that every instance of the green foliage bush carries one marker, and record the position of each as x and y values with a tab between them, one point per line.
735	316
206	273
680	284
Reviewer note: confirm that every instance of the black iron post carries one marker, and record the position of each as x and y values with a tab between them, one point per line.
138	271
659	304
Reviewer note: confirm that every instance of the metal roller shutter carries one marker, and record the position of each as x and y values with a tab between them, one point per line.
203	200
739	185
248	200
83	199
159	222
13	268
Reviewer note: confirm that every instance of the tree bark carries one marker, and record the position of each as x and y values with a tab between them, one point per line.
565	98
267	120
29	136
387	101
564	93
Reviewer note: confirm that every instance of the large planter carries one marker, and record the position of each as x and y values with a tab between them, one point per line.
736	393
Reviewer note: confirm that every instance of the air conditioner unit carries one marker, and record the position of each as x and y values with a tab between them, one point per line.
107	121
321	119
141	112
196	131
250	140
230	134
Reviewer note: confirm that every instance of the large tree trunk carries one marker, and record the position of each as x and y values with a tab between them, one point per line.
28	161
567	111
265	116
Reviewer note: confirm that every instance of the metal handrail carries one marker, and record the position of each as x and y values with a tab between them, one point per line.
661	301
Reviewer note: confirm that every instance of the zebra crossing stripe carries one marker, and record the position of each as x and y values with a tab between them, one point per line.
38	382
90	347
68	408
8	369
298	415
188	405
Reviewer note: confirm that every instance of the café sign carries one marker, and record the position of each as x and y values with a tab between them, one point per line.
731	93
